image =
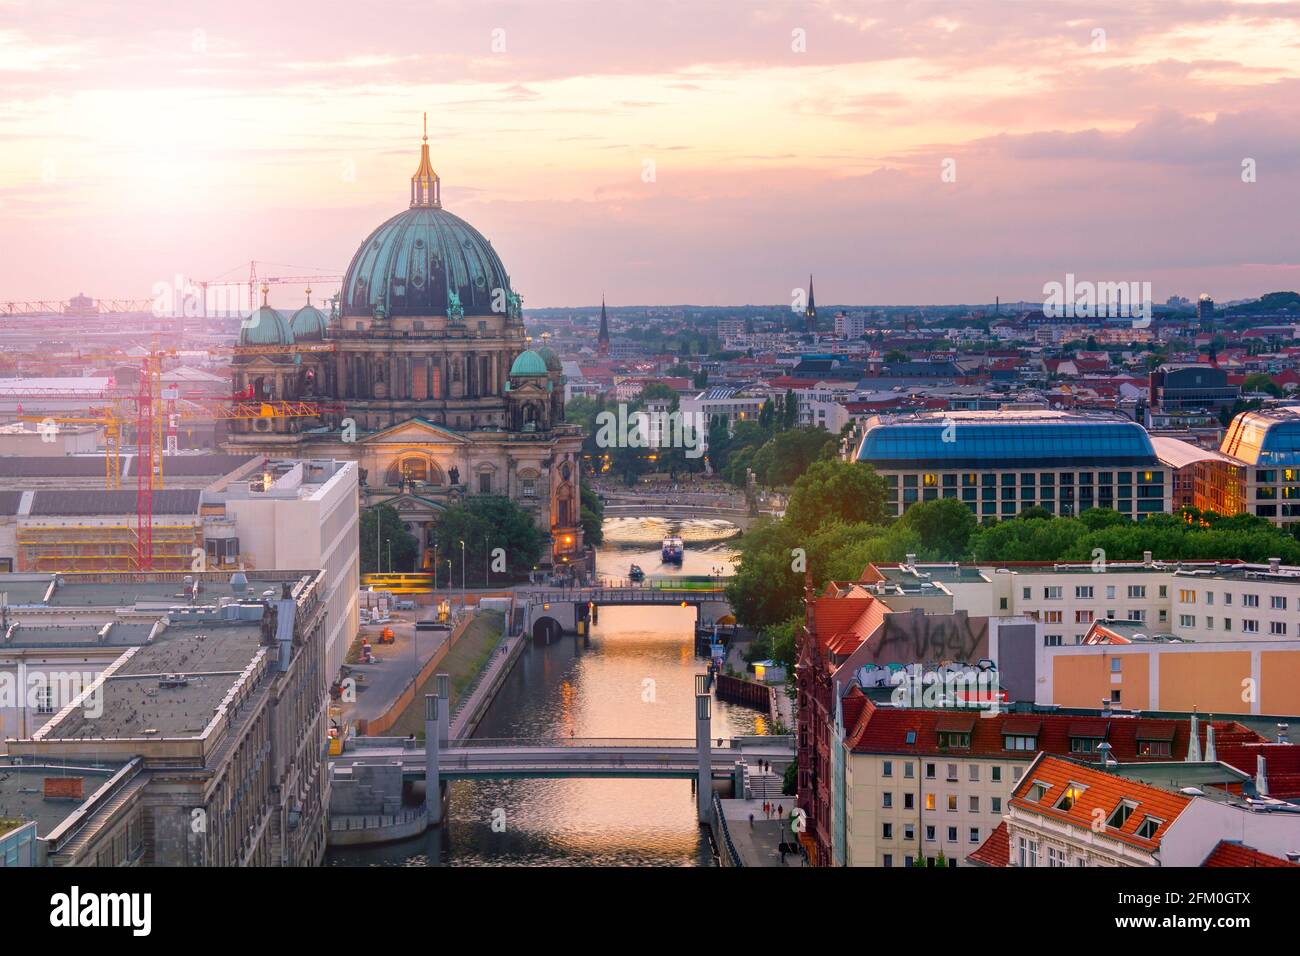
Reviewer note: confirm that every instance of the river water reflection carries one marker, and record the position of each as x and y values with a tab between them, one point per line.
633	677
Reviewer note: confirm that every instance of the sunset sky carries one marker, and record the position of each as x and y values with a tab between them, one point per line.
143	139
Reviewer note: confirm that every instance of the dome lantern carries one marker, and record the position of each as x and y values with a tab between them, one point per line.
426	188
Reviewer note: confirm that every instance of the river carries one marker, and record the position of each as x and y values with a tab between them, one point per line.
633	677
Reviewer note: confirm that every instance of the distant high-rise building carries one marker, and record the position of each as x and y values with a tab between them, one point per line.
1205	311
602	340
810	312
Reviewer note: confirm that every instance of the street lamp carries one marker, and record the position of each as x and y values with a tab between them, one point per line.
463	589
389	542
486	566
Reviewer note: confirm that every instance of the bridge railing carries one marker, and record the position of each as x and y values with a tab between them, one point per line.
356	744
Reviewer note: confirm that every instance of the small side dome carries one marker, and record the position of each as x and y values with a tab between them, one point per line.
266	326
550	358
308	324
528	362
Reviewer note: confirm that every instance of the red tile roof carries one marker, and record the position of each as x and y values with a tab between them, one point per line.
995	851
883	729
842	624
1100	791
1226	853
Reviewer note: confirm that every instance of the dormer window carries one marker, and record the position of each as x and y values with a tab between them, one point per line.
1148	827
954	740
1038	790
1070	797
1119	816
1018	742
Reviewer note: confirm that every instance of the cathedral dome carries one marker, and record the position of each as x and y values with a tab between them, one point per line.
552	360
528	362
419	261
266	326
308	324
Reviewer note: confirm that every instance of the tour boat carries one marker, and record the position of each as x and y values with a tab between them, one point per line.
672	550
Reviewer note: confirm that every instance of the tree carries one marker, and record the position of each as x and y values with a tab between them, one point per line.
831	490
592	517
944	526
486	523
375	549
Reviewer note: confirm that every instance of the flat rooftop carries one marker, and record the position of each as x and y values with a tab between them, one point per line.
109	590
23	788
142	698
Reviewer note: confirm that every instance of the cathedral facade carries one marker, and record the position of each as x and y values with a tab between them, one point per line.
421	373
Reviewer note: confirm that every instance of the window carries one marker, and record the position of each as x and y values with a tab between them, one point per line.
1084	745
974	834
1187	596
955	740
1277	602
929	801
485	483
887	831
1116	665
1071	795
1250	600
1055	857
887	768
1137	615
996	773
974	804
1110	592
907	770
909	831
952	834
1119	816
929	834
45	700
1083	592
1038	790
1027	852
997	804
952	803
1227	624
1209	597
1249	626
974	773
887	799
1186	620
1018	742
888	859
1148	827
1052	593
929	771
908	861
909	800
1227	599
911	736
1154	748
528	488
1028	592
1053	617
1082	617
1277	627
1137	591
1053	640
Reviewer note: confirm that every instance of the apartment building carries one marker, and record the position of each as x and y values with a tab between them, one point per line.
1064	812
925	783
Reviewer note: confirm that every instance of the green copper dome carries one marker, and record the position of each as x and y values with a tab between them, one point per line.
550	358
528	362
308	324
266	326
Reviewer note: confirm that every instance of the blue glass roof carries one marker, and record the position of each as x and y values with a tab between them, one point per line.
1007	444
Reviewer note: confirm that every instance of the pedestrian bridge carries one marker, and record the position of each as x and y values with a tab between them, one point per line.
571	757
553	612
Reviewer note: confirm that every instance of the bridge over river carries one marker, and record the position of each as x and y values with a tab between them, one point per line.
551	612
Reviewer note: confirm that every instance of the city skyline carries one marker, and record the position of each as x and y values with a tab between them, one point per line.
664	155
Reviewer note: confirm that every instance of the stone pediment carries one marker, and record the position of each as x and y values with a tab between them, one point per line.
415	431
407	504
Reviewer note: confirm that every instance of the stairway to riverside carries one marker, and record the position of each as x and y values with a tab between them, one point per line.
764	786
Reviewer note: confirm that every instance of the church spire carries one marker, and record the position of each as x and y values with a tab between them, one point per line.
602	339
426	188
810	313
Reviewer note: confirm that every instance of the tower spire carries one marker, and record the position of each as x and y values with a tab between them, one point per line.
426	188
810	312
602	340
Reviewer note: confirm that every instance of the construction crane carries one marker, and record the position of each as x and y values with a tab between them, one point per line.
112	423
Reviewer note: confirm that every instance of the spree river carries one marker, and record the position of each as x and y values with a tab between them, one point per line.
633	677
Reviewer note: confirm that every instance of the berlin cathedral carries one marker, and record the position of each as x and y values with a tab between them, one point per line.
424	376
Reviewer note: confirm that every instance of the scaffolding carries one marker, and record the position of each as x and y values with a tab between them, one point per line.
105	547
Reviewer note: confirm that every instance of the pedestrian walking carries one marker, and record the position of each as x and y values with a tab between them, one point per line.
780	811
751	821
